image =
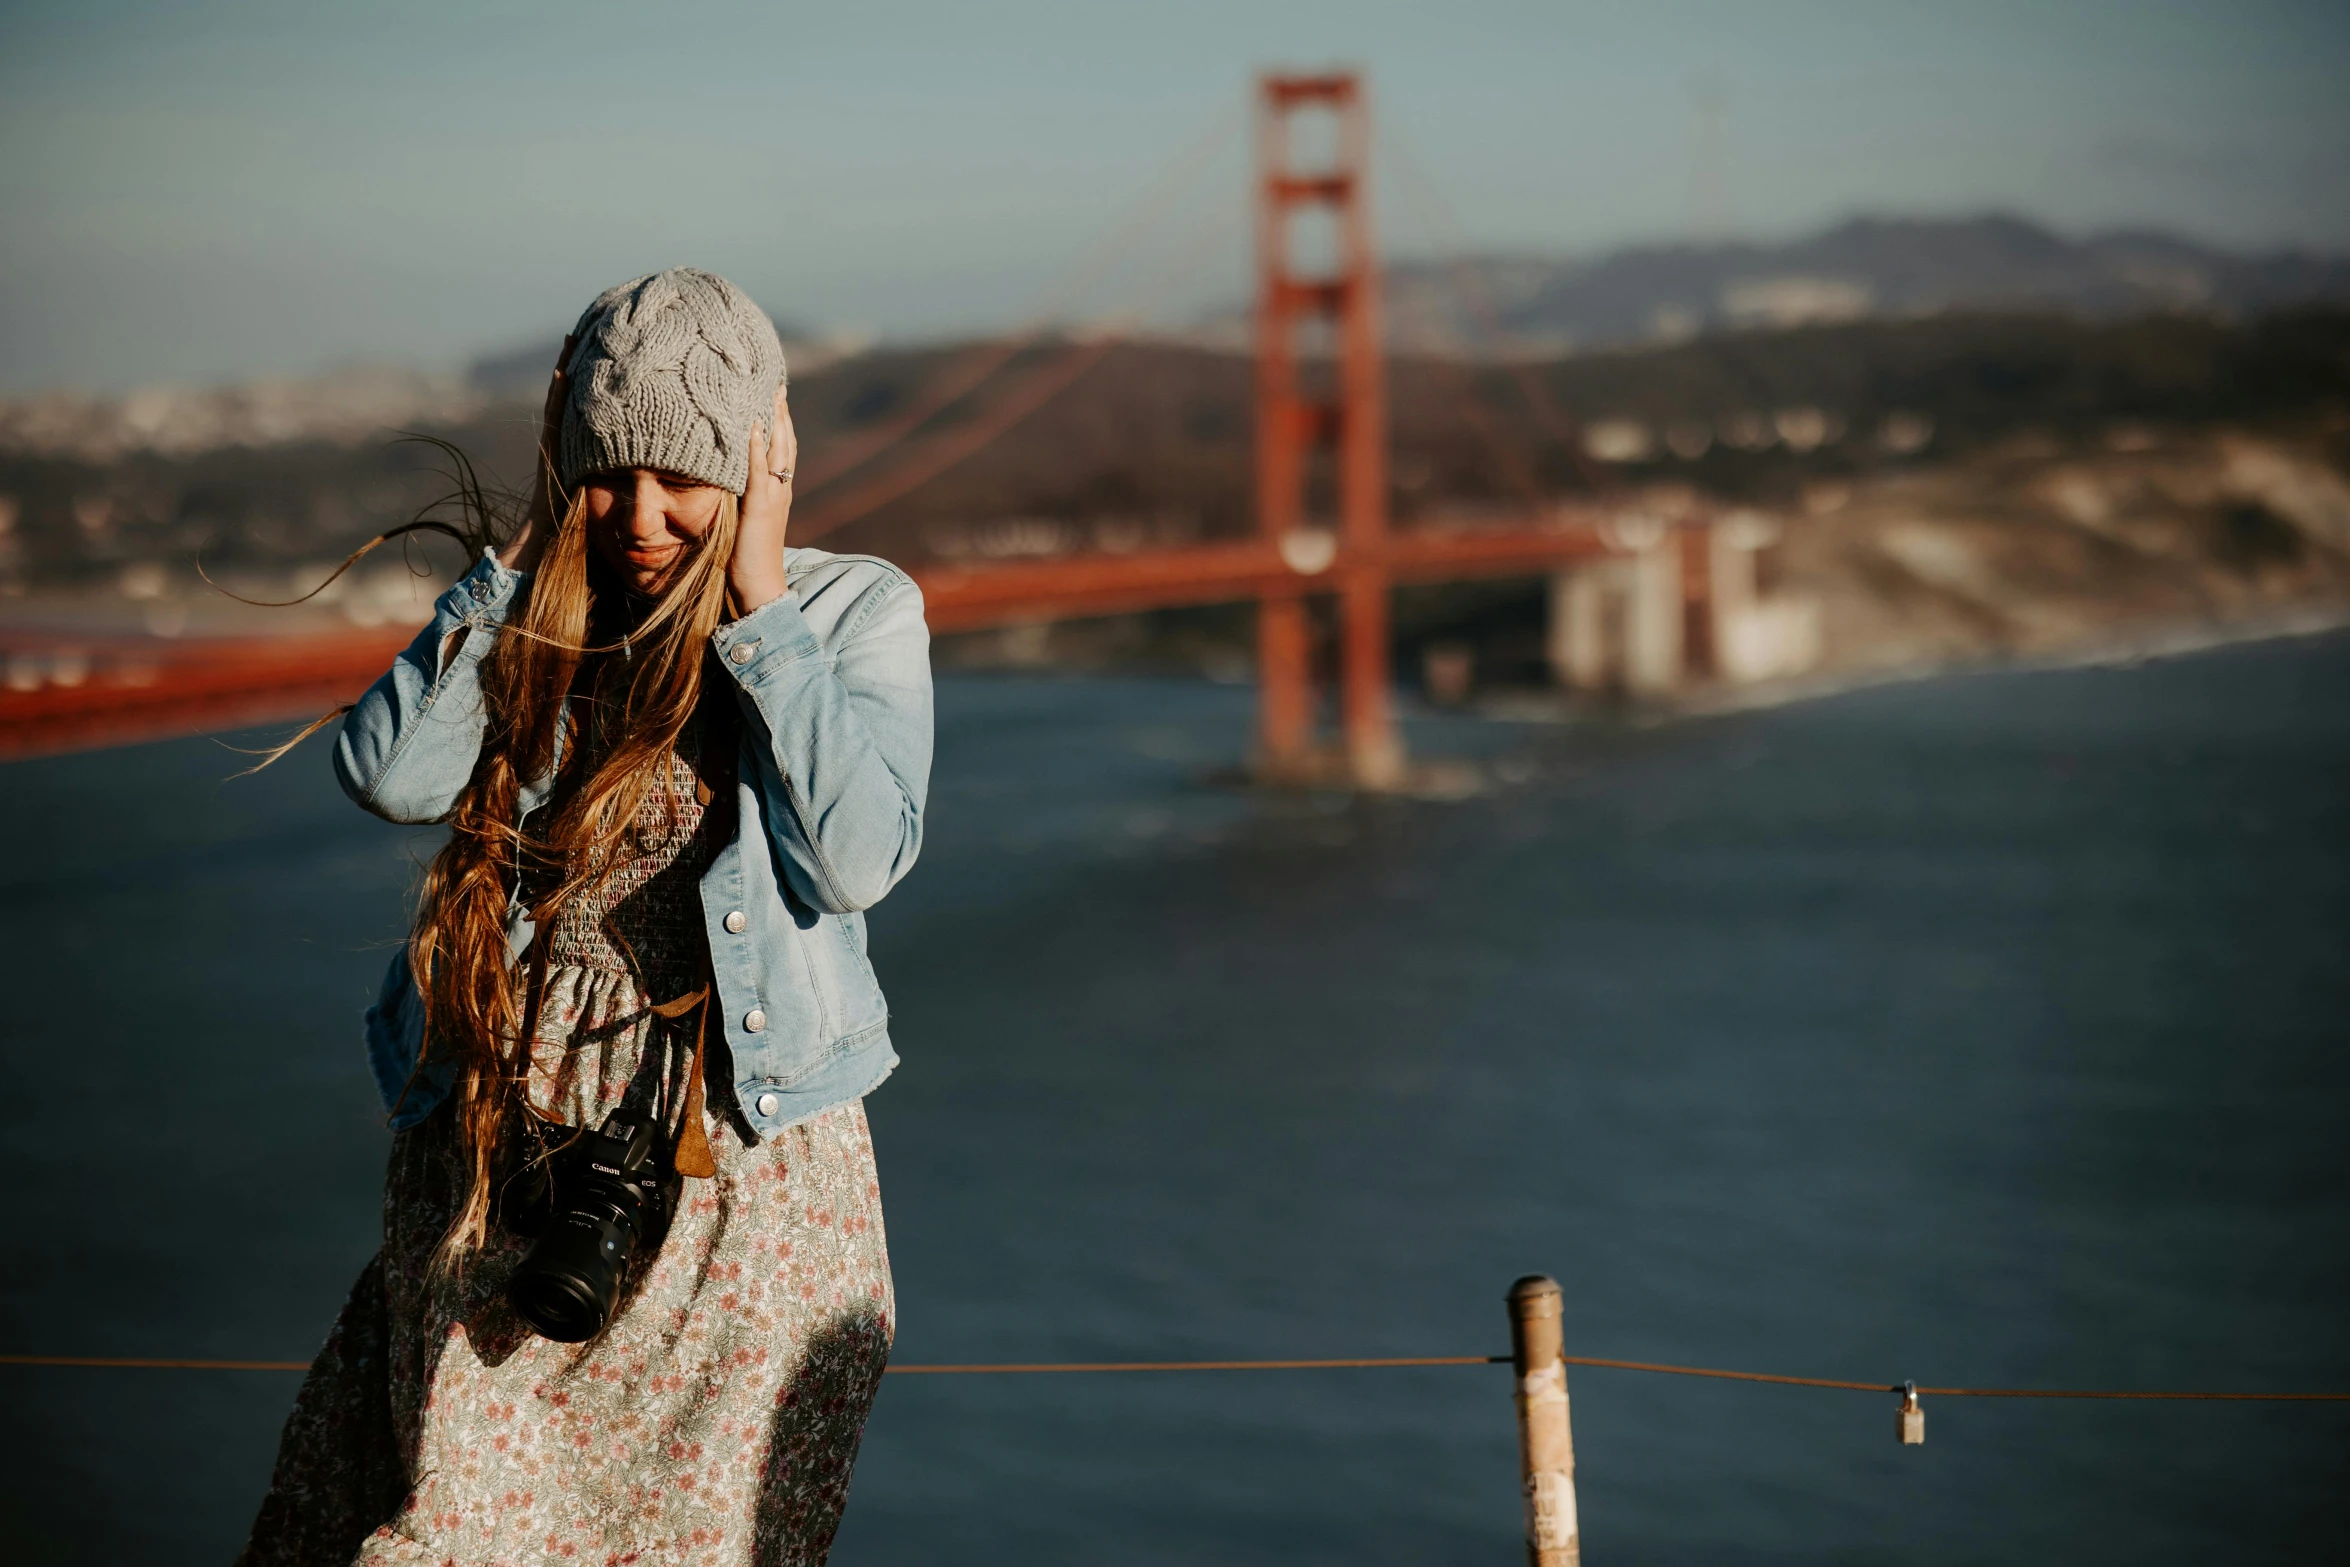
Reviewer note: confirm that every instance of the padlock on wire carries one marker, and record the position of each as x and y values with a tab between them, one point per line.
1910	1422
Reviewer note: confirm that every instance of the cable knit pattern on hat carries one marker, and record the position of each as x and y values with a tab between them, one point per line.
671	371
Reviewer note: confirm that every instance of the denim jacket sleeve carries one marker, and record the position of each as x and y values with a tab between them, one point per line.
408	748
840	731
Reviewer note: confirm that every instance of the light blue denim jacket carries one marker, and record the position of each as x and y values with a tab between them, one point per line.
833	682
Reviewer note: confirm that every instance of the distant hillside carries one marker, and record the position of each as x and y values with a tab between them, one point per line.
1867	268
1162	435
1154	444
1955	486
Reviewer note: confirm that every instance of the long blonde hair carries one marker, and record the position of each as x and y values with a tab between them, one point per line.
588	680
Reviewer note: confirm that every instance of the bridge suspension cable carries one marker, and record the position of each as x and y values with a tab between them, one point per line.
944	448
974	367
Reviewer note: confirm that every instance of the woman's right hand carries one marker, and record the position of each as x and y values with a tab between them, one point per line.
538	523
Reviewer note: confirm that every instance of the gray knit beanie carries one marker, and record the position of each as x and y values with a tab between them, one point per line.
672	371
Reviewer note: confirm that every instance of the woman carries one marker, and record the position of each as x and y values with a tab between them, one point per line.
676	760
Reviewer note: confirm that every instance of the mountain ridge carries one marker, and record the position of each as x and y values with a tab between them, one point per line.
1866	267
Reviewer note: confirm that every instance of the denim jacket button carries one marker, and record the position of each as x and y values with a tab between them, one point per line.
754	1020
735	923
743	653
768	1104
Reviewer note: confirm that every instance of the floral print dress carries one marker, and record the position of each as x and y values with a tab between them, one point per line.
715	1421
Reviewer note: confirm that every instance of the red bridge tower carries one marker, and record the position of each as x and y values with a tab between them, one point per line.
1328	325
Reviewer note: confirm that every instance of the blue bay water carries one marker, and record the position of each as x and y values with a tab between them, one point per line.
1987	1030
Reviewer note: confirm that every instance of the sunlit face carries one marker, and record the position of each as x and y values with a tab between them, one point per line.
645	523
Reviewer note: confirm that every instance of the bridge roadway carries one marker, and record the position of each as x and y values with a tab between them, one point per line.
77	693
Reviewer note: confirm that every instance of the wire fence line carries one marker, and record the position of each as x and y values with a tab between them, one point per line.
1063	1367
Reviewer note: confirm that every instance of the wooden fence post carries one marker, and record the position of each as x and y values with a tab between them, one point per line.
1546	1443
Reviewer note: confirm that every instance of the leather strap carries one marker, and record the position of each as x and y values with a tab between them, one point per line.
693	1155
693	1139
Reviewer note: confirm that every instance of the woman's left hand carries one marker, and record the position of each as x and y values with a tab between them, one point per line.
756	572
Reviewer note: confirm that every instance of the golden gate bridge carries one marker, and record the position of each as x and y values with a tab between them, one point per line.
1647	589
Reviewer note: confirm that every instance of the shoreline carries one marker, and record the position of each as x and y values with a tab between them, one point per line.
2118	649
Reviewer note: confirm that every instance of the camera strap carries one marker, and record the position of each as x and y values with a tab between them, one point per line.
693	1156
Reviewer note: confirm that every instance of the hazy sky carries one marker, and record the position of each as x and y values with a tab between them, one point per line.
196	191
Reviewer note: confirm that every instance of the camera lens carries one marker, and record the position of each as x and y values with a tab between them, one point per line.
557	1307
569	1283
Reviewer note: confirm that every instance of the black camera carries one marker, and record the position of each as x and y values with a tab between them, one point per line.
595	1210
